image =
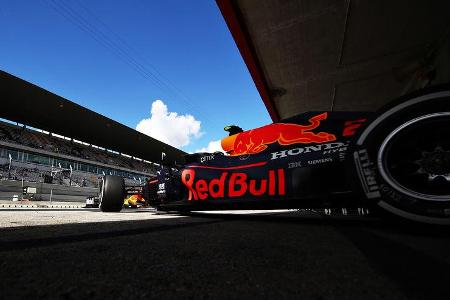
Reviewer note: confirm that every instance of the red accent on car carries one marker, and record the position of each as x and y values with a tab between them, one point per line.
350	127
238	185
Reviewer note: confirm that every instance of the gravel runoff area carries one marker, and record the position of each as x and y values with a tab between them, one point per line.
141	254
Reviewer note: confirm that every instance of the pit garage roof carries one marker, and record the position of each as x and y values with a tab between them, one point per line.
29	104
343	55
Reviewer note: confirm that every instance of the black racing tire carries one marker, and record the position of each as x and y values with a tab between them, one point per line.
402	158
112	192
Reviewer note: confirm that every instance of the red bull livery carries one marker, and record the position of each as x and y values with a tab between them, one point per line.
257	140
396	160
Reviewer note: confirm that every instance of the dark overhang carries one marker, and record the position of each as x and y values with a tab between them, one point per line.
29	104
310	55
243	40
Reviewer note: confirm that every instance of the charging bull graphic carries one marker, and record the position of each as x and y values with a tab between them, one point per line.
256	140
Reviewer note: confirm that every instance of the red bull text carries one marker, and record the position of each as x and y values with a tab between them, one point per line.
233	184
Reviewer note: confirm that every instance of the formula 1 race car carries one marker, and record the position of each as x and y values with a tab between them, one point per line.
396	160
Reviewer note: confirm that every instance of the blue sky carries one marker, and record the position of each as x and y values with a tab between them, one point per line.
119	57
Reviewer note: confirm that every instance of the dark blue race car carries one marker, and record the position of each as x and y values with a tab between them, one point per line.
396	160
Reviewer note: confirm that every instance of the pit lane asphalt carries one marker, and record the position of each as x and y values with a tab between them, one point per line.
140	254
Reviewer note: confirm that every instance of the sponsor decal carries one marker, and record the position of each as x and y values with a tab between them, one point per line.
257	140
328	148
350	127
206	158
161	188
320	161
366	173
233	184
295	164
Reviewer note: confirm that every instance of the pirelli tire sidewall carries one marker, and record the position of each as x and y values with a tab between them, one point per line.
365	153
112	193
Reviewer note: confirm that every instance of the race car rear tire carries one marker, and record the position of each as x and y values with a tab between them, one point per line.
402	158
112	193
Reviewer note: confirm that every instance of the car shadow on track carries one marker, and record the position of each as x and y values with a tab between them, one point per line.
420	275
390	225
20	238
416	273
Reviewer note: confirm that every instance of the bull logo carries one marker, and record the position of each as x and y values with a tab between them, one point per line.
256	140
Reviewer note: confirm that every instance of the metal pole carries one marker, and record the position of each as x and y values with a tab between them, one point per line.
51	194
70	178
9	167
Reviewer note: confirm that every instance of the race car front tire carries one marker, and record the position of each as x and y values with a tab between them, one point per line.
402	158
112	193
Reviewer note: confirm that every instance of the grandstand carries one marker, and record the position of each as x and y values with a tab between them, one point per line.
38	156
58	146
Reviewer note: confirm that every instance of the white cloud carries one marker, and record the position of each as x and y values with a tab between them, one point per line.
169	127
213	146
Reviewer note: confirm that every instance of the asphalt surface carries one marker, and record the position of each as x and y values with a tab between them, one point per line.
139	254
